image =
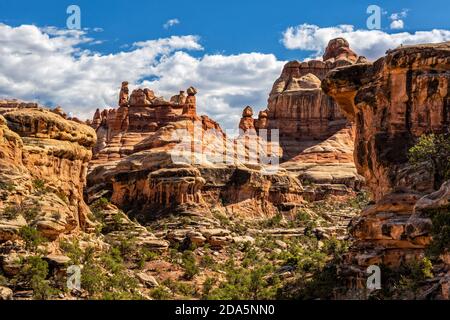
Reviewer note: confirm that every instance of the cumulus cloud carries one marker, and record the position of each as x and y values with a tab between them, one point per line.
397	19
397	24
52	67
370	43
170	23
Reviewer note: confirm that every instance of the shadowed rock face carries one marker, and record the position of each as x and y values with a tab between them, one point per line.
393	102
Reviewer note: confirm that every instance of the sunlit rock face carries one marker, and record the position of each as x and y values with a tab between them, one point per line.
155	156
43	165
315	137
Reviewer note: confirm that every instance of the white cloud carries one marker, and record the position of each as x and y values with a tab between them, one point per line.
399	15
397	19
397	24
51	67
370	43
170	23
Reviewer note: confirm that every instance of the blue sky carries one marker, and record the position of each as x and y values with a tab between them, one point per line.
245	41
228	27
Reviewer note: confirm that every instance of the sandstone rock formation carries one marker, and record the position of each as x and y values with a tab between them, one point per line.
393	102
247	123
43	167
316	138
161	162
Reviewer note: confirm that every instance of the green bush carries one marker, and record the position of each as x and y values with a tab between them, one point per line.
11	212
32	237
440	231
39	186
8	186
73	251
242	283
34	272
189	264
433	149
106	277
160	293
207	287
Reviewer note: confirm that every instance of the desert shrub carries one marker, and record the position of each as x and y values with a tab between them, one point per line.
241	283
433	149
34	272
32	237
405	281
3	280
73	251
93	278
145	255
361	200
275	221
302	216
60	194
8	186
189	264
207	261
182	288
98	207
160	293
440	231
315	269
223	219
39	186
11	212
107	278
207	287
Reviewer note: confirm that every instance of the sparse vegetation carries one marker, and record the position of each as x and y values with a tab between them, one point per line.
433	150
440	231
39	186
189	264
32	237
7	186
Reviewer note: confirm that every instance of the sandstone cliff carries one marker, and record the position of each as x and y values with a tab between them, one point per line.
44	162
393	102
316	138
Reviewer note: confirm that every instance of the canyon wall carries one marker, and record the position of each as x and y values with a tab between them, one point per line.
393	102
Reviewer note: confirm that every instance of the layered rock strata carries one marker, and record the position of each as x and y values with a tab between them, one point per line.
43	166
393	102
316	138
158	164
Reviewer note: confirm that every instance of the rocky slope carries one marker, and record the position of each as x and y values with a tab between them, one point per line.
393	102
44	160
